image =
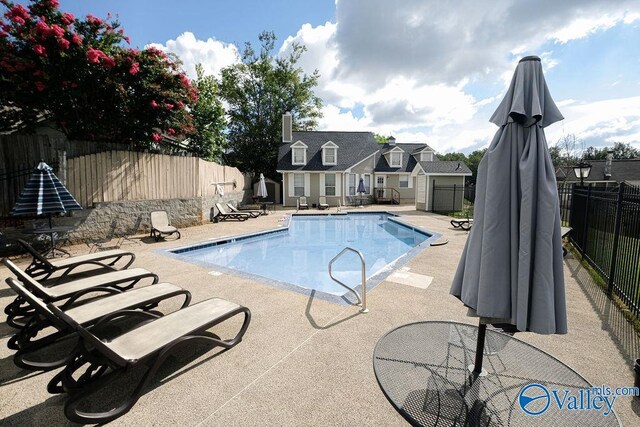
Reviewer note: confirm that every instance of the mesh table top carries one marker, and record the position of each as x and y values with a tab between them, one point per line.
424	370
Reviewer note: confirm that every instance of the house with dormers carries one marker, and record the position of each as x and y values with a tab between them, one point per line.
331	164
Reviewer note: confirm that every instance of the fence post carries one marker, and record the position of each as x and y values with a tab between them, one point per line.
616	238
583	248
433	196
453	207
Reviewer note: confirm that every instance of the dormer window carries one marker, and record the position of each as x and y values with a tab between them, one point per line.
395	158
329	153
426	156
299	154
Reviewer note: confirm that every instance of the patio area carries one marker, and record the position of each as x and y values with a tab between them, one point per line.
305	361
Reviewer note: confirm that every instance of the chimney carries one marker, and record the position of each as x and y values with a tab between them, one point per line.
287	127
607	165
391	140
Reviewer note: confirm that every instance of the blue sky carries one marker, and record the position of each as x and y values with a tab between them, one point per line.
422	70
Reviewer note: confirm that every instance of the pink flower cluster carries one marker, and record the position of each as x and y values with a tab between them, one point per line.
94	20
54	30
40	50
18	14
96	56
68	18
134	69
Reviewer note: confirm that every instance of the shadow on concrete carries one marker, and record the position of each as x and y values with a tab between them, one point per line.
622	333
120	389
314	324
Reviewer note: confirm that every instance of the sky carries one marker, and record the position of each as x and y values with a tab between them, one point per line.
421	70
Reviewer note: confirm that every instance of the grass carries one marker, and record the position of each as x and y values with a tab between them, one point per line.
602	283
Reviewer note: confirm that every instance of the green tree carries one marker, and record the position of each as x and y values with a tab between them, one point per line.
620	151
258	90
459	157
380	138
77	73
473	160
208	139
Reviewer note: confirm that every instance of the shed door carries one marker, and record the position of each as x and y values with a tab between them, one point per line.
421	191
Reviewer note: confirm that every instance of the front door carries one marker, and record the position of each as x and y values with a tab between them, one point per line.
380	184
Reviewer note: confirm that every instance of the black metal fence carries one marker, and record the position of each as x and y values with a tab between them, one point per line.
606	232
455	200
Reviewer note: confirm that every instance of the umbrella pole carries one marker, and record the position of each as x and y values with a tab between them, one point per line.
482	331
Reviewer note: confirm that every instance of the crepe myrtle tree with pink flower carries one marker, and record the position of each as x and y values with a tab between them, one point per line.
81	74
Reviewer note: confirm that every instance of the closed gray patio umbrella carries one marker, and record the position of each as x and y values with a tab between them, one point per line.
262	188
511	268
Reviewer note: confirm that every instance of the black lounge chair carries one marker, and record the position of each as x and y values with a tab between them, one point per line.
18	312
224	215
41	268
98	362
160	225
86	315
564	232
463	224
252	213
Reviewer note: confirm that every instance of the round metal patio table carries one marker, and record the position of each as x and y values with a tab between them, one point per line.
52	232
424	370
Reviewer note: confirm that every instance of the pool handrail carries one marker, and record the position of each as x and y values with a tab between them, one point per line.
361	301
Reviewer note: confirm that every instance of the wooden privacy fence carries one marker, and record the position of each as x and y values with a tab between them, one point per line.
128	175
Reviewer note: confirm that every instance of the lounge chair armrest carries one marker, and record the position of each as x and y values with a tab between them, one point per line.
80	294
123	313
73	267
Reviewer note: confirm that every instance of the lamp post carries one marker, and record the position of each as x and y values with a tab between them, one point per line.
582	171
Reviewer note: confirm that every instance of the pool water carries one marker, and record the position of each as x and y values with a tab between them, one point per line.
301	254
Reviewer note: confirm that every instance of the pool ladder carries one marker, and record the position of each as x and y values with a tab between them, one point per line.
363	268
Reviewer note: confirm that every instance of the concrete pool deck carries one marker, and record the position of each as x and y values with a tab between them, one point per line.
305	361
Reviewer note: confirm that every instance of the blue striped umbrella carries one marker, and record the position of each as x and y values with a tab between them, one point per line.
44	194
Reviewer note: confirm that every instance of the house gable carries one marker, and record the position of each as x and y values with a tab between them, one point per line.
394	157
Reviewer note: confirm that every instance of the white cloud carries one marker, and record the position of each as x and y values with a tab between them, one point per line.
600	123
433	71
409	67
582	27
212	54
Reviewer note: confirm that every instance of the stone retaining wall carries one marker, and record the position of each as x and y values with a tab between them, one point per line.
96	223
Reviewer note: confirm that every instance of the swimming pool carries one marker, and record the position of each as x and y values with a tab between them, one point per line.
299	254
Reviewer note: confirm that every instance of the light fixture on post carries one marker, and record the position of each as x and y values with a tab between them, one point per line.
582	171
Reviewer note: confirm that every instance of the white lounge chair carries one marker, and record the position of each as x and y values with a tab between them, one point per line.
322	203
302	203
160	225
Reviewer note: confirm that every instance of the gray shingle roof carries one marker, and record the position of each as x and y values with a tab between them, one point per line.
621	171
450	167
408	160
353	147
421	147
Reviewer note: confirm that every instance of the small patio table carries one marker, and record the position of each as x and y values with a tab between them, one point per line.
267	207
51	232
424	370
